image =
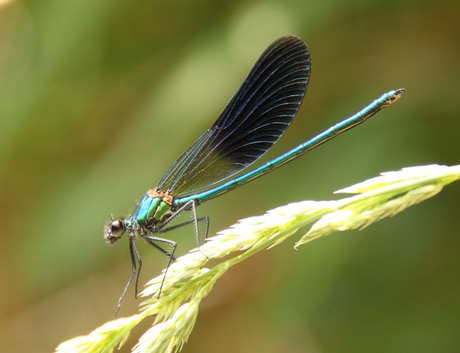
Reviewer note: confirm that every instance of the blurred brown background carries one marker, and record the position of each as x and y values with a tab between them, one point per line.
98	98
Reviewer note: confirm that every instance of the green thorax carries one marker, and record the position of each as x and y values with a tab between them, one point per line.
153	207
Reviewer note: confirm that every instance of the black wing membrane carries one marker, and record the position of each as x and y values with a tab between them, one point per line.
255	118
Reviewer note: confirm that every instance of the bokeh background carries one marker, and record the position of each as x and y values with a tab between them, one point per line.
98	98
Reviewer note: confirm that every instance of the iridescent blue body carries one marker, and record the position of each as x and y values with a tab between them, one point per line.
153	208
254	119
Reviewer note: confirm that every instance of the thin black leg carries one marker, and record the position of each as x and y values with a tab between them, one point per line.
162	228
151	240
207	228
188	205
139	261
132	251
168	229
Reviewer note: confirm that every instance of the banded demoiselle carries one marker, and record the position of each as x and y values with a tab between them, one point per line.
255	118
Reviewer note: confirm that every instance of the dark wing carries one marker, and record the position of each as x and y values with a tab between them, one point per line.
254	119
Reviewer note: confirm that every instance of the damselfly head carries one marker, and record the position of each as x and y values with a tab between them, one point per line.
114	229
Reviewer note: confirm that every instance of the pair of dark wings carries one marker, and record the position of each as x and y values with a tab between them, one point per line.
254	119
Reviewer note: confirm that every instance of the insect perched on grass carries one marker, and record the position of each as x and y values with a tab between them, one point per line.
254	119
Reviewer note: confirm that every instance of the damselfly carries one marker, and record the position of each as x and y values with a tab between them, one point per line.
254	119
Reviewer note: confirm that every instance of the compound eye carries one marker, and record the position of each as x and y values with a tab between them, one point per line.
117	228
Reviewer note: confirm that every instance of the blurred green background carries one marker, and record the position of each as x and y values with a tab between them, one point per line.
98	98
